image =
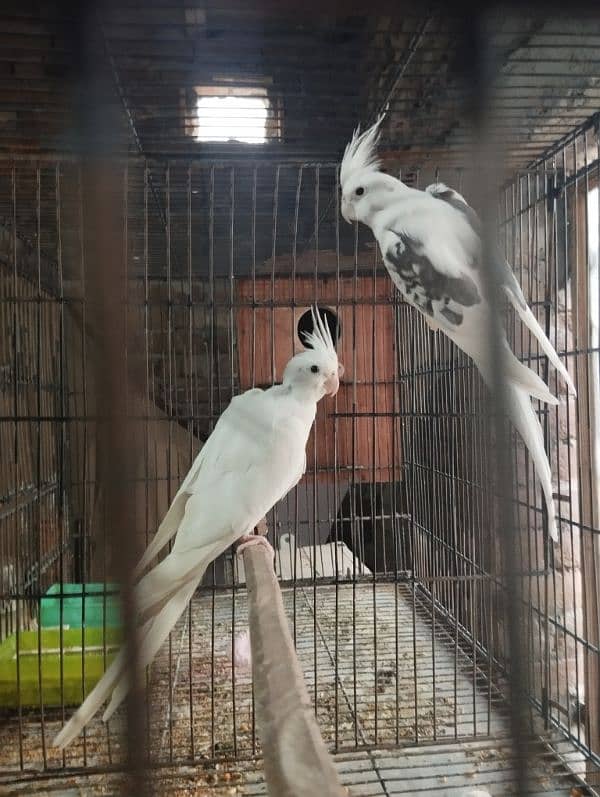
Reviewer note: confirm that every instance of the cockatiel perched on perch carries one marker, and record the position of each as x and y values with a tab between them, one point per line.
431	245
254	456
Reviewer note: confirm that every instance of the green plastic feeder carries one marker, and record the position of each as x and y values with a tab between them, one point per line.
90	659
83	607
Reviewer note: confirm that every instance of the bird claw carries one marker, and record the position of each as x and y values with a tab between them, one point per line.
254	539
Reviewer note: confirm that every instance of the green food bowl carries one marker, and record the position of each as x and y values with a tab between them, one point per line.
78	660
81	606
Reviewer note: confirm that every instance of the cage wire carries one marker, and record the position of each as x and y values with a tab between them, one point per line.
190	278
414	650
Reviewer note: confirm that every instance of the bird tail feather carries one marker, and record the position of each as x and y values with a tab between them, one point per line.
527	424
515	371
519	387
172	520
153	634
91	704
519	374
166	531
160	601
165	580
517	300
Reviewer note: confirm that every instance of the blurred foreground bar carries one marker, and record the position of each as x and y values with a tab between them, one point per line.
296	761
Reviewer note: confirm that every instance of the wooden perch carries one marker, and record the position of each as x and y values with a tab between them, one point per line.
296	761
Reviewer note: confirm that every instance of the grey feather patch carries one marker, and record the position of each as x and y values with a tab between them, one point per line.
455	200
424	285
452	316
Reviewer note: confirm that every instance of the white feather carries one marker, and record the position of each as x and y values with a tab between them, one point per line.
320	338
166	531
514	292
153	634
361	152
242	652
518	302
255	455
519	409
527	424
475	793
442	231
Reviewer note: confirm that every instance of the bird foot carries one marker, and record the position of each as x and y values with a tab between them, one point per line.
254	539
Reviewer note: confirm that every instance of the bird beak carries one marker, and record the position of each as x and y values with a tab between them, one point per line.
345	211
332	384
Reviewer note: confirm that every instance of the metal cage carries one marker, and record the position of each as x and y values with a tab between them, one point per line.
389	551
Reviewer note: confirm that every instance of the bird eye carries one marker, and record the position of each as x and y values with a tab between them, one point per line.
360	191
314	369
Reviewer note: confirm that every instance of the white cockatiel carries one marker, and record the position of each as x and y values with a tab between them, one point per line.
431	246
254	456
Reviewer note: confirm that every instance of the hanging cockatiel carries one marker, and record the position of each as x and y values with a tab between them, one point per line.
254	456
430	243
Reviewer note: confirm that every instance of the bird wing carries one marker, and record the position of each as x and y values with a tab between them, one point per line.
234	456
258	459
439	273
252	459
219	454
507	278
435	275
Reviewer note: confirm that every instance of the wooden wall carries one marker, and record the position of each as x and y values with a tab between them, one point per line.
356	431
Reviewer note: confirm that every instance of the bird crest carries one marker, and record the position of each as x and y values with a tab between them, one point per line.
361	152
320	338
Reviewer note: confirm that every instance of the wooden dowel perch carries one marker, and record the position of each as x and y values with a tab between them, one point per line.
296	761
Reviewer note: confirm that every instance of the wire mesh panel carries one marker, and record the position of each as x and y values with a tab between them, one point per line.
389	549
552	219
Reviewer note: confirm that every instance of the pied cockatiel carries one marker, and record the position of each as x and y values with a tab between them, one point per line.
431	246
254	456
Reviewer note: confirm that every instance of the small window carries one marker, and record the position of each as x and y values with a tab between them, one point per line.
232	119
234	113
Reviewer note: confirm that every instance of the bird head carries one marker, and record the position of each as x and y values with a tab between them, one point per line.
364	188
315	371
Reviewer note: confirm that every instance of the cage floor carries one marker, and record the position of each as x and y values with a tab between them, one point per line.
348	639
441	770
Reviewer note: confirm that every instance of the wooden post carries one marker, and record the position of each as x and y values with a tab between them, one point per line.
296	760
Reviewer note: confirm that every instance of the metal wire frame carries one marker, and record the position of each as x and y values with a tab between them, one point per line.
550	209
427	528
350	66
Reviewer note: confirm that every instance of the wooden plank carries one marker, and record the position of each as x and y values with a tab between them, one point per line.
267	338
296	761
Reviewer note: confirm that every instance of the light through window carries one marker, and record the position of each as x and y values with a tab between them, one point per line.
232	119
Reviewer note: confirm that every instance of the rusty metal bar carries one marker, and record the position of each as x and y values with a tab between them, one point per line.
488	156
115	452
116	367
